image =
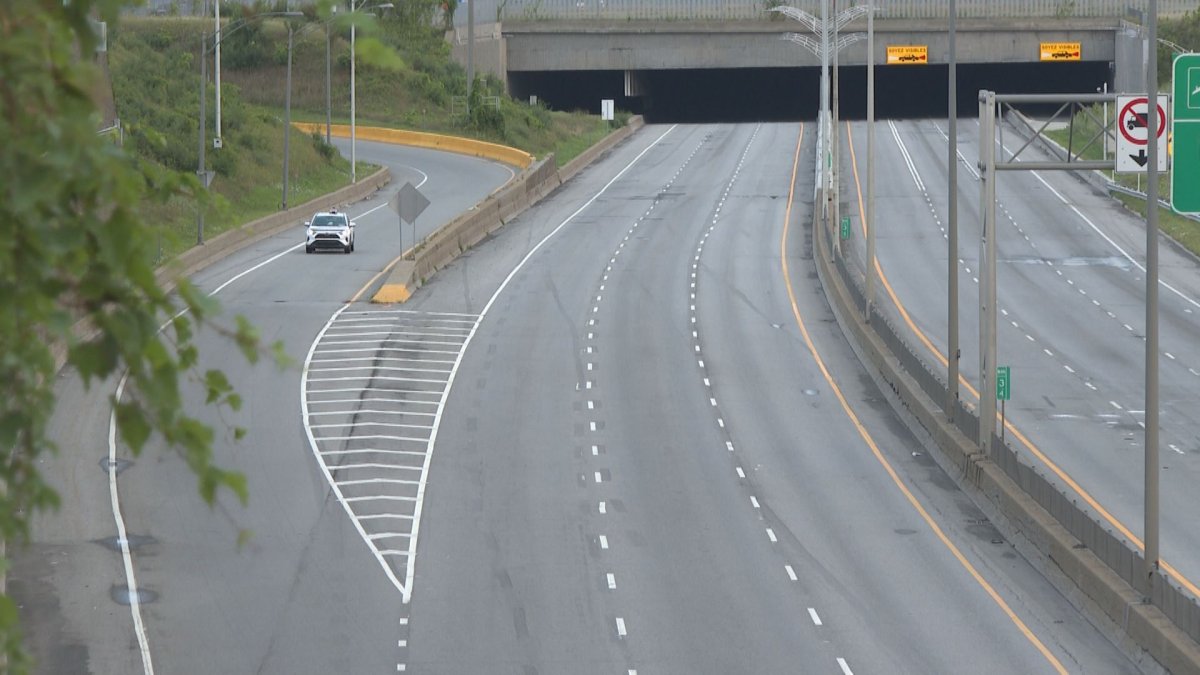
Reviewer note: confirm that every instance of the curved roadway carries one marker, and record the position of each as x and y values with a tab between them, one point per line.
623	435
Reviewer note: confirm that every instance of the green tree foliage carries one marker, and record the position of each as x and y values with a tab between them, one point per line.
1185	32
77	271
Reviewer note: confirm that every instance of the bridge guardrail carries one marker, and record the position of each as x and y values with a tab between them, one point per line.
726	10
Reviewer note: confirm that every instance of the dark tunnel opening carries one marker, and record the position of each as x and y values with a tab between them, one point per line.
786	94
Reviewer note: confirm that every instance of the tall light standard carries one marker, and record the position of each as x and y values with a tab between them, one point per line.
205	176
826	28
217	69
353	130
328	106
287	115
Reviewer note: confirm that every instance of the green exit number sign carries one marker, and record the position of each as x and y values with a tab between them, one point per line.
845	228
1003	383
1185	134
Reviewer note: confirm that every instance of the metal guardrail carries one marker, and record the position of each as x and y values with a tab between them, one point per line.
1121	189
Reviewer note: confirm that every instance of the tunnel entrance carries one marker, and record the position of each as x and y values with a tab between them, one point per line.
786	94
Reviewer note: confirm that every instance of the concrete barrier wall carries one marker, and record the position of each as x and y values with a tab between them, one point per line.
1156	627
446	243
420	139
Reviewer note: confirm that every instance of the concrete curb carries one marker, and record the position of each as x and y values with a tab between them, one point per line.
449	241
421	139
1144	624
199	257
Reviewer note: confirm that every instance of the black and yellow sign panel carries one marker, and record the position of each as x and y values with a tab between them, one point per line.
917	55
1060	51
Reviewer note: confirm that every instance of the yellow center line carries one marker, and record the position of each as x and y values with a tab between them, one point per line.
1008	425
870	441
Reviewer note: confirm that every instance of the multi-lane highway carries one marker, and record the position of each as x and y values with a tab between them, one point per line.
1071	296
623	434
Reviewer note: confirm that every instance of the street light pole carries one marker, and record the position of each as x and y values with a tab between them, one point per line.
200	171
952	348
353	137
353	113
870	224
328	101
1151	459
217	67
287	120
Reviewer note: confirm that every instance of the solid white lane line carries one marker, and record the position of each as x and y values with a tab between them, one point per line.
355	425
372	465
383	516
377	451
388	535
812	613
374	481
402	413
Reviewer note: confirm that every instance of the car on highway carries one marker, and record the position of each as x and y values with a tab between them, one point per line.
329	230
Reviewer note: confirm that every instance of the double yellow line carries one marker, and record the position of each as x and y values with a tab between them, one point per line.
870	441
1008	425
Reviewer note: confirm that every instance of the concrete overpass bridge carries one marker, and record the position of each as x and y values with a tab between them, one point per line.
704	54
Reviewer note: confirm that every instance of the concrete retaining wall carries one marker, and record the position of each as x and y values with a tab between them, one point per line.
446	243
198	257
1144	624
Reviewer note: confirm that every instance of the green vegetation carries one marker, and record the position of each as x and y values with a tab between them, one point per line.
425	92
155	83
405	78
75	250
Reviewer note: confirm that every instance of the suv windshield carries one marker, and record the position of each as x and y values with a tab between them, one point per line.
329	221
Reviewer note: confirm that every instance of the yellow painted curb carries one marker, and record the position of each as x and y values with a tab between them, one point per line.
392	293
421	139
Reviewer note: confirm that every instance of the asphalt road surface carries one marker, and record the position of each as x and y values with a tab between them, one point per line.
623	434
1071	295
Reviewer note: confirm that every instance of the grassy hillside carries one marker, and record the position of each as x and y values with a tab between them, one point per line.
418	95
155	83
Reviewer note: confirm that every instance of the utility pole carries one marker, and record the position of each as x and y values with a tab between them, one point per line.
1151	459
954	352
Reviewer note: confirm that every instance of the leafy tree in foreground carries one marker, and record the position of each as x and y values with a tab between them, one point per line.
77	272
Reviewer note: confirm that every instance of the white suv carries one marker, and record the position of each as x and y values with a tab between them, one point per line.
329	230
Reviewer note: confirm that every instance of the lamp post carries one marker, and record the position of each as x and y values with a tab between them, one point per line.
353	130
328	106
826	28
205	176
217	68
287	115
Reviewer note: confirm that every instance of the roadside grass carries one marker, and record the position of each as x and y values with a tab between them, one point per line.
155	83
1183	230
418	96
